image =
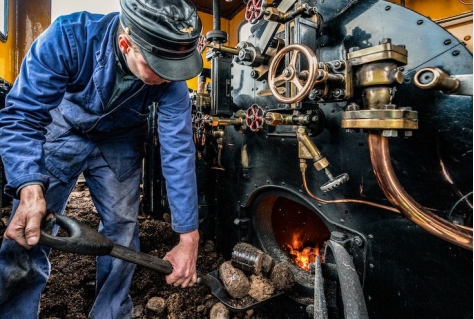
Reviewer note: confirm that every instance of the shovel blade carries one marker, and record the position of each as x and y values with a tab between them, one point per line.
218	290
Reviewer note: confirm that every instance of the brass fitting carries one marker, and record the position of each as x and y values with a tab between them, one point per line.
272	13
436	79
303	165
274	119
203	100
385	118
382	52
219	121
218	134
224	48
379	73
308	150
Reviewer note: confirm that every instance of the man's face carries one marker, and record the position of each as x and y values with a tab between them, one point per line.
137	64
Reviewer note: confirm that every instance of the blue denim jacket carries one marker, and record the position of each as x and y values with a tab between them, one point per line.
55	115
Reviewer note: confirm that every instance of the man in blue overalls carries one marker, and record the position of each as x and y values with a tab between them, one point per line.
80	105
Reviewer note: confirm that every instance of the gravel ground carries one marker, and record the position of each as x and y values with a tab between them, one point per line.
70	291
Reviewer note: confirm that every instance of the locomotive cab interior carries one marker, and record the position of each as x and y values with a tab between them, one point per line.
334	135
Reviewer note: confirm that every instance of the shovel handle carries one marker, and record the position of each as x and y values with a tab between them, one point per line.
84	240
142	259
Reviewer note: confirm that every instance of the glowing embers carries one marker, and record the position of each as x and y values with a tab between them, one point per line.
303	254
300	233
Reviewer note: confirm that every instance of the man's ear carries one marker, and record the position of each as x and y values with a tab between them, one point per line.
123	43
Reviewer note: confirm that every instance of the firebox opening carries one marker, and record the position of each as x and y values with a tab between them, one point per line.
286	228
300	233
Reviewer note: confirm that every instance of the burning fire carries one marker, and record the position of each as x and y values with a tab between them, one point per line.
302	254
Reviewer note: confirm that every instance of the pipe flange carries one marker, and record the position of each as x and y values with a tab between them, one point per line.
384	119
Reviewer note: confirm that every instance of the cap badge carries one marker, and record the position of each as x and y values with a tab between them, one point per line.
187	30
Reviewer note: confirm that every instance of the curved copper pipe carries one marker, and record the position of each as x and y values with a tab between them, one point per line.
336	201
388	182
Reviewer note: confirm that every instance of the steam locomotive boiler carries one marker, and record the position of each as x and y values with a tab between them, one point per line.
338	137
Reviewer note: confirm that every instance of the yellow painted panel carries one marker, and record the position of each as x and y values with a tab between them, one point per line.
207	25
234	27
34	18
7	49
453	15
437	9
463	32
27	20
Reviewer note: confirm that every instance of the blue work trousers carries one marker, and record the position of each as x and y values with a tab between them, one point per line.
24	273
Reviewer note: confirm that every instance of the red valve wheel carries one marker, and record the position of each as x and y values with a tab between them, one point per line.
255	10
202	43
255	117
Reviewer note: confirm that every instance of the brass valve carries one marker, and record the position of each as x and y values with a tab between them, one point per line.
377	73
308	150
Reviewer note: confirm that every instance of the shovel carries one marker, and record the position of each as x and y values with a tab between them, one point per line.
84	240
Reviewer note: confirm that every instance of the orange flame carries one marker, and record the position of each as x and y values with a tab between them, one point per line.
302	256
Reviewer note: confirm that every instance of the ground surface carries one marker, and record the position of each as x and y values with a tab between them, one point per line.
69	293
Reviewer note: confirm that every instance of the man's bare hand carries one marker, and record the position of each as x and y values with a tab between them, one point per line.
24	227
183	258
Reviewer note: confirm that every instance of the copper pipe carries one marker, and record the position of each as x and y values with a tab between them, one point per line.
347	200
388	182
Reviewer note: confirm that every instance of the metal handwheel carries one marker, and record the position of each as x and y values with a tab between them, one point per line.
202	43
255	10
303	80
255	117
